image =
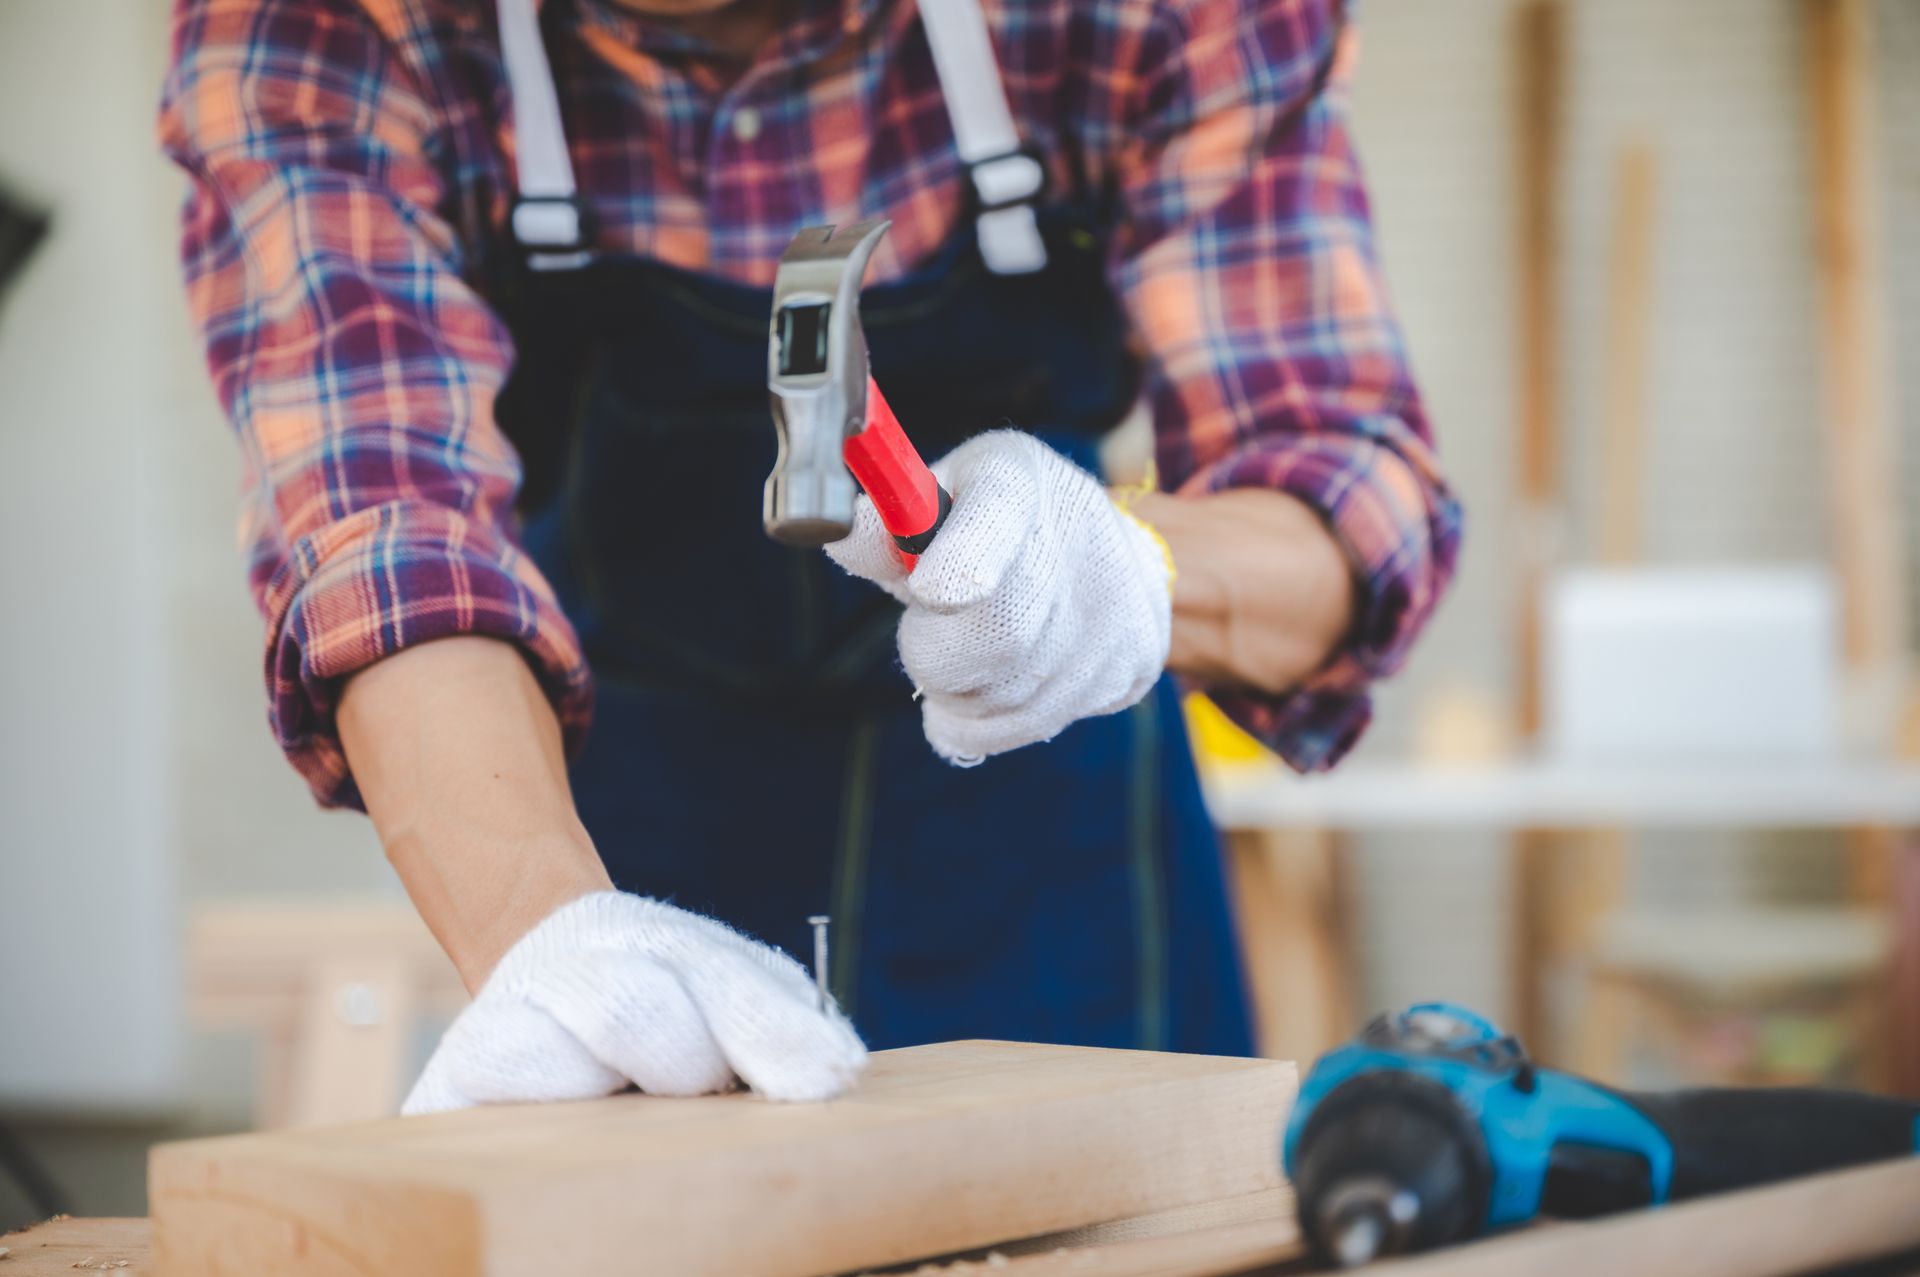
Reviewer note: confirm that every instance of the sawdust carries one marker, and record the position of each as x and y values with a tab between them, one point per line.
993	1259
101	1264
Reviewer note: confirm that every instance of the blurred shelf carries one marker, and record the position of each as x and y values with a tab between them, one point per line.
1538	795
1756	950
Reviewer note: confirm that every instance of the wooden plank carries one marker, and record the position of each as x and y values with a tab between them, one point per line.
1207	1252
1805	1226
333	988
1530	856
1851	268
941	1149
1863	500
63	1246
1539	71
251	962
1289	909
355	1031
1623	440
1253	1208
1903	979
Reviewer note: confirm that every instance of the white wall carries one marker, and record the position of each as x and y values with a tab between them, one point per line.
87	988
136	772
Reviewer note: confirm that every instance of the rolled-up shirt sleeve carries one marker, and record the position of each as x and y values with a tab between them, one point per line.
357	365
1274	359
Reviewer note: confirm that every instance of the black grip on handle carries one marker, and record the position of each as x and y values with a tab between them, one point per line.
1728	1139
919	541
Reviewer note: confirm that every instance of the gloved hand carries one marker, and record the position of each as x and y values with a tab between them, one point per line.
613	988
1039	603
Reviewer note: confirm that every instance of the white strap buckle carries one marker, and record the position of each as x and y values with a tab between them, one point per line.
548	223
1007	180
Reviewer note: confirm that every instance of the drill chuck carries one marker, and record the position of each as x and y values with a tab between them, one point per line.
1389	1163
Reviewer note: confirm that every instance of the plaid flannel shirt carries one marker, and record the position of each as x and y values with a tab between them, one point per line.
351	168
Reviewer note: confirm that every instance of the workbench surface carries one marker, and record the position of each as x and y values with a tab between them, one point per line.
1786	1230
64	1245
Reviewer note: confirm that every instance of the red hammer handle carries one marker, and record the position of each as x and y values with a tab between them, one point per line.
909	500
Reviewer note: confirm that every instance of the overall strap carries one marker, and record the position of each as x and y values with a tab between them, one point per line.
546	219
1007	178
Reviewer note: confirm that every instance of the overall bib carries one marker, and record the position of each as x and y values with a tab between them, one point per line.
756	752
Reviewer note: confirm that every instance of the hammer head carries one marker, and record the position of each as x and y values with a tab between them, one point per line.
817	379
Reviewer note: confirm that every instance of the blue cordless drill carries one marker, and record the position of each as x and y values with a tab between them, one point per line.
1433	1127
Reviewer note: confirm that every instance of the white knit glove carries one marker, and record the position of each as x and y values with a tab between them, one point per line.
1039	603
614	989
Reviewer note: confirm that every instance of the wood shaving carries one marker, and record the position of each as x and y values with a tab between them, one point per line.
101	1265
956	1268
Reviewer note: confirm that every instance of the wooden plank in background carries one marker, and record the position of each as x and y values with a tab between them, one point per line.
1851	268
1903	1023
942	1148
1289	904
333	990
1539	72
1623	440
1850	253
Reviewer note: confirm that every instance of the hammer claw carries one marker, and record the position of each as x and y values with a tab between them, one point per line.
808	244
837	244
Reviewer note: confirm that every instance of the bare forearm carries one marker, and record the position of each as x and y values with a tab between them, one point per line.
458	756
1262	593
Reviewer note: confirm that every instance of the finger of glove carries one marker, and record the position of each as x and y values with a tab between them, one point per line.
505	1052
995	481
755	993
961	731
992	648
678	936
782	1046
633	1014
869	551
433	1091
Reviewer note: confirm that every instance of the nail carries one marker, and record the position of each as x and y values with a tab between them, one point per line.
819	923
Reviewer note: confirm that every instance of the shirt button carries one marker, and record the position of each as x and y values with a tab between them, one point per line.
746	124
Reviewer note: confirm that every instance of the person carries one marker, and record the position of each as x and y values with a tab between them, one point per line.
485	292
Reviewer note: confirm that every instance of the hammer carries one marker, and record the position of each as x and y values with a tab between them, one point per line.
835	427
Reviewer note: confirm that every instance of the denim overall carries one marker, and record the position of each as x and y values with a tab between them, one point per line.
756	753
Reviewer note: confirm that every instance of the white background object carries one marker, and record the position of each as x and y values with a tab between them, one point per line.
137	773
89	990
1691	664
